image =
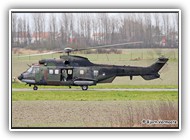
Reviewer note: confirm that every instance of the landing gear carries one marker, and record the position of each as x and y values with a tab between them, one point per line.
84	87
35	88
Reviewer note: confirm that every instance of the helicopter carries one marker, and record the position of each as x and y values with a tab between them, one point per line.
72	70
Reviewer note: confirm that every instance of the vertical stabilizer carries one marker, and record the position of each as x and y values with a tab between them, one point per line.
159	64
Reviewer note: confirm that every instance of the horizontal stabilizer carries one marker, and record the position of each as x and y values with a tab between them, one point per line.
162	60
151	77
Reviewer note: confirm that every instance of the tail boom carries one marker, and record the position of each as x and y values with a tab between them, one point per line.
155	68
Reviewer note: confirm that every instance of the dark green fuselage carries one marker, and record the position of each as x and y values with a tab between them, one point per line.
79	71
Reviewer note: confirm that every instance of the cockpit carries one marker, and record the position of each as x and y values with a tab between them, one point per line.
29	75
33	69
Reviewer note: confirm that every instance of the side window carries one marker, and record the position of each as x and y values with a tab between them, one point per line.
95	73
81	72
56	71
70	72
50	71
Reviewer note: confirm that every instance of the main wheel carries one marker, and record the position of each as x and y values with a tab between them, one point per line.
35	88
84	87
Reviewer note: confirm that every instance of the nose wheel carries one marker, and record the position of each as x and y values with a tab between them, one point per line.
84	87
35	88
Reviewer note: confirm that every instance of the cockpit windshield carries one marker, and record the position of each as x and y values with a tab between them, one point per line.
33	70
30	70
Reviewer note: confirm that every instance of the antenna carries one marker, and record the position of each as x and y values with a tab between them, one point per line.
68	50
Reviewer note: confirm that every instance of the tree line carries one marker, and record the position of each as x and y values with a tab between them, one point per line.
80	30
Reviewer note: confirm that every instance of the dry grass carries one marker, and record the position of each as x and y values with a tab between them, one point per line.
92	113
133	116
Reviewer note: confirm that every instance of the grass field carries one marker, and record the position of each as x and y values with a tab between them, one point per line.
70	108
94	95
101	86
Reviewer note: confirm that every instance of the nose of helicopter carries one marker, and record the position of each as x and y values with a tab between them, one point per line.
20	77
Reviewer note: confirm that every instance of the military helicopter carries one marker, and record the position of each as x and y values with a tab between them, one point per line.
71	70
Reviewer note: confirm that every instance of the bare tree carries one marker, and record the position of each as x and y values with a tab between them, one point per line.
141	30
175	21
14	29
29	33
20	30
148	29
53	29
165	19
157	34
105	24
67	27
35	24
90	29
94	29
166	23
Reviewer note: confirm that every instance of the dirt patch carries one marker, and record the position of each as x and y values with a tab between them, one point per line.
92	113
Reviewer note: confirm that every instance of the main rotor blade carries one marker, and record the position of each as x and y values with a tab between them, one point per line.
108	46
68	49
40	54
